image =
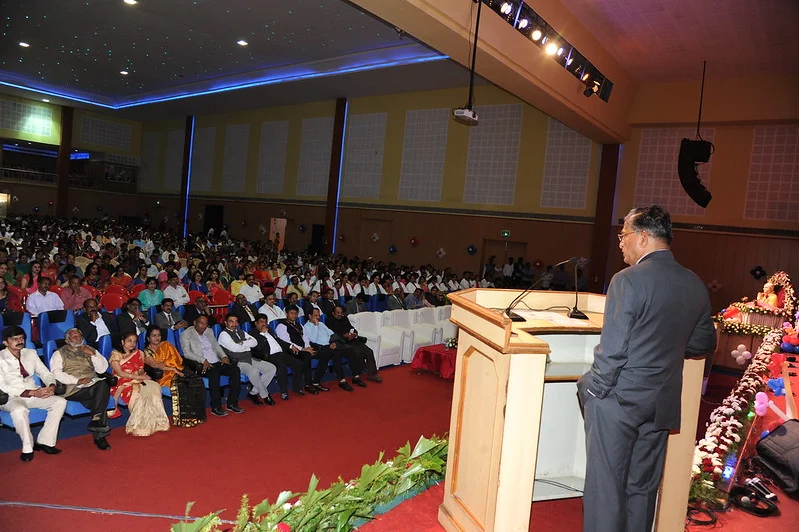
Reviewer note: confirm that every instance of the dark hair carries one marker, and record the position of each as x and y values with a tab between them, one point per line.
292	307
654	219
172	275
124	337
229	315
132	300
12	331
152	328
153	279
262	317
167	300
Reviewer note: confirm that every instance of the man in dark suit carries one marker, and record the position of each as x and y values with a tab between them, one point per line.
242	310
396	301
656	313
131	318
357	304
94	324
328	303
168	317
311	303
341	325
272	349
199	308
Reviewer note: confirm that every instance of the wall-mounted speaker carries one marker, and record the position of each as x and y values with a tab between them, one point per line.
693	152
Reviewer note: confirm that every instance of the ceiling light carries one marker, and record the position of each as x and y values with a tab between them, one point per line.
560	51
506	8
45	100
585	77
523	23
130	2
242	42
536	35
24	44
551	48
569	61
123	72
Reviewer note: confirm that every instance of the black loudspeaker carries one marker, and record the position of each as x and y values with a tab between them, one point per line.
317	239
214	218
691	153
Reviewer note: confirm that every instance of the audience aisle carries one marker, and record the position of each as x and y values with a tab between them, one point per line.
262	452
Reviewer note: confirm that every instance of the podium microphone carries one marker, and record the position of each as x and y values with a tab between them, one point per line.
515	317
575	313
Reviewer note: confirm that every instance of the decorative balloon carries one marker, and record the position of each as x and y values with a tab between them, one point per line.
301	228
375	237
714	286
758	272
50	203
15	198
283	213
36	209
761	403
392	249
413	241
75	210
341	237
538	264
472	249
262	229
441	253
99	208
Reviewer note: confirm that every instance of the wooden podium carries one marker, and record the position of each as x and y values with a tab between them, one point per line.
516	431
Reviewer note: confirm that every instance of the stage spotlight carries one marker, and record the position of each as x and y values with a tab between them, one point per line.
551	48
506	8
585	77
523	23
536	35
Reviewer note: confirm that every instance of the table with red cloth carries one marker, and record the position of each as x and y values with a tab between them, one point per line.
436	359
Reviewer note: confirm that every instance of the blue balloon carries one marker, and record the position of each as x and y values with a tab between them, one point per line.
787	347
301	228
392	249
764	434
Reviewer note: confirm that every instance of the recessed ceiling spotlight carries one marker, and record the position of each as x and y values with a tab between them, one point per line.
24	44
242	42
551	48
130	2
560	51
45	100
536	35
123	72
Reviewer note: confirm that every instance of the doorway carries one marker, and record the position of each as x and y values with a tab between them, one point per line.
213	218
501	250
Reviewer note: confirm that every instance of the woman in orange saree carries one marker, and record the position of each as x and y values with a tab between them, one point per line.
137	390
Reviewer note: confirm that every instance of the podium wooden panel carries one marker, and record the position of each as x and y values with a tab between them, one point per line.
501	380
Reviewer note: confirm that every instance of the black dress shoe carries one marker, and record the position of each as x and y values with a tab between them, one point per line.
97	426
358	382
235	409
46	448
255	399
218	411
299	392
102	444
269	400
311	389
26	457
344	385
321	388
285	396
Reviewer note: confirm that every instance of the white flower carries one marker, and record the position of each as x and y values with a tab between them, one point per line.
717	470
298	503
287	506
390	463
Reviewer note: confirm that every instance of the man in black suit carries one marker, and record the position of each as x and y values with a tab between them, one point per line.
311	303
341	325
199	308
131	319
241	309
328	303
357	304
168	317
272	349
656	313
94	323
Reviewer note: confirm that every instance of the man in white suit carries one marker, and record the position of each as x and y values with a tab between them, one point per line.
18	365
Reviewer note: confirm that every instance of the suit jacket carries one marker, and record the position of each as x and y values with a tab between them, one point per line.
307	307
394	303
89	331
241	313
656	313
125	323
327	306
262	350
192	350
354	306
191	313
162	321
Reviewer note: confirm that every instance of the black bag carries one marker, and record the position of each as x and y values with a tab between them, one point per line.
155	373
778	455
3	397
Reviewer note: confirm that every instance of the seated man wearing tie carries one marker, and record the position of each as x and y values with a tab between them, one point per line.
290	331
204	355
347	335
199	308
77	365
272	349
242	310
132	319
17	367
169	317
324	341
238	346
271	310
94	323
357	304
395	300
328	303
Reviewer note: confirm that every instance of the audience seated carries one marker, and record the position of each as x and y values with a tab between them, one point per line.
131	319
169	317
292	333
347	335
272	349
241	309
238	346
151	295
74	295
327	345
271	310
199	308
42	300
94	323
175	291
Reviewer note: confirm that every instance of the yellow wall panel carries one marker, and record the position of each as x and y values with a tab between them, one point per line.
54	138
135	134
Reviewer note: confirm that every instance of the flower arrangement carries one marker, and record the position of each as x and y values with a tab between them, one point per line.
342	506
729	423
744	329
451	343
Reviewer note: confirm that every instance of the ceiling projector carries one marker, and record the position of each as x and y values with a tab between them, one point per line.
465	116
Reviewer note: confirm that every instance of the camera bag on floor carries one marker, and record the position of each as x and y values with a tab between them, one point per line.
778	455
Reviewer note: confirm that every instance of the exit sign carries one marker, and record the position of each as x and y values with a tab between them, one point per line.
504	233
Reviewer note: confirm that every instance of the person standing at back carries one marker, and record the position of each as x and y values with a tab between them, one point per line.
656	313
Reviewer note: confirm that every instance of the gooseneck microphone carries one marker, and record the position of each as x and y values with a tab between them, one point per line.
575	313
515	317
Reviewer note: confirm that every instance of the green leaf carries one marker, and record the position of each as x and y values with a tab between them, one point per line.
422	446
343	520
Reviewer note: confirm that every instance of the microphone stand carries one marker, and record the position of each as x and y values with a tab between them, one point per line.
515	317
575	313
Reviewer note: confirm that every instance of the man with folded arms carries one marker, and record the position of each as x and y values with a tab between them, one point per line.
238	346
324	341
175	291
203	352
168	317
17	367
94	323
290	331
274	350
77	365
342	327
74	295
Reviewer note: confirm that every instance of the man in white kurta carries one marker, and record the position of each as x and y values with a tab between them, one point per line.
17	368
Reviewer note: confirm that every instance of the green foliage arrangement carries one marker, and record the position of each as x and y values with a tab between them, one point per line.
343	505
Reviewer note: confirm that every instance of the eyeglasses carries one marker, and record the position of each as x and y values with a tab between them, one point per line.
625	233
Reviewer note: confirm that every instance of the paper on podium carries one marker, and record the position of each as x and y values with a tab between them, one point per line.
552	317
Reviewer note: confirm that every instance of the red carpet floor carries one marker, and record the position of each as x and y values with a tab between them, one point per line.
261	452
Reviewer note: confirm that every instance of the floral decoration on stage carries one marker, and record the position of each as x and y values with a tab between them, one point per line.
451	343
729	424
344	505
